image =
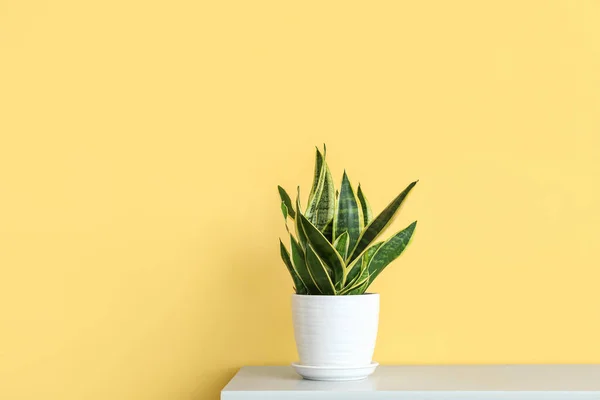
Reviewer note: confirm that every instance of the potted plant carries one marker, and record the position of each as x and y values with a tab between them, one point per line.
333	259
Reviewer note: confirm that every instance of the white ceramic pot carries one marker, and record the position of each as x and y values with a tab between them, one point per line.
336	331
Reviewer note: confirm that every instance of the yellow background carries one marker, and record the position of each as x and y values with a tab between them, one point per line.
142	142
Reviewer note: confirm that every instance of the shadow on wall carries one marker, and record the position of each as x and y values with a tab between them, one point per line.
211	384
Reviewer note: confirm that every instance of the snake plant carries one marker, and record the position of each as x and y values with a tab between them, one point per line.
333	251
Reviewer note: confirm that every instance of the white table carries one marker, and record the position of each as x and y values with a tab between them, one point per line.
498	382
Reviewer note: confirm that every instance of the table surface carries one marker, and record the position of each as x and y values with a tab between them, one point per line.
424	383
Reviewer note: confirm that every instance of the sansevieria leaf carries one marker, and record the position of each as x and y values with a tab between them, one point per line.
358	266
323	248
299	264
377	226
390	250
318	272
347	217
366	208
317	186
325	203
284	211
317	173
285	198
341	244
328	231
360	289
298	284
299	231
358	282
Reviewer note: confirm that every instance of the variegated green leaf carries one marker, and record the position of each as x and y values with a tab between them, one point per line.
323	248
317	173
341	245
298	283
358	282
328	231
358	266
318	271
317	186
377	226
366	208
299	231
299	264
321	202
359	289
325	203
347	216
390	250
285	198
284	211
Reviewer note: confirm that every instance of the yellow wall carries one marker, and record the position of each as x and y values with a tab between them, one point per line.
142	142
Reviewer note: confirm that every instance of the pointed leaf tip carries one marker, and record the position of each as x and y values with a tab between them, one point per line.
347	214
366	208
380	223
390	250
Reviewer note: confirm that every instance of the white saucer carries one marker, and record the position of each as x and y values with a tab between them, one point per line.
335	373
